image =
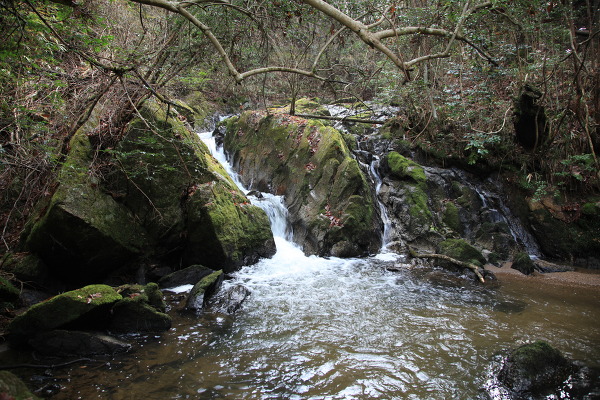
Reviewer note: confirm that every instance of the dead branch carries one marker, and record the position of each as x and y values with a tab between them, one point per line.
444	257
342	119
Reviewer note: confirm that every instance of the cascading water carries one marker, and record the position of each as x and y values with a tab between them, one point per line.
330	328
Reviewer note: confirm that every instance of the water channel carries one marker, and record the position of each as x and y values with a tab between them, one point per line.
329	328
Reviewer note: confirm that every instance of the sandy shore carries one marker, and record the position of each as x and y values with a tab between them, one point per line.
580	278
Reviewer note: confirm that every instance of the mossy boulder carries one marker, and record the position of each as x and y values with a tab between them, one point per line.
85	303
461	250
534	369
147	202
331	207
401	167
225	230
8	292
523	263
11	387
450	217
565	234
203	290
84	233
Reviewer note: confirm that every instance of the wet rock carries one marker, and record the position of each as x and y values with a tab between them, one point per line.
186	276
63	343
92	302
163	197
230	300
523	263
204	290
11	387
534	369
548	267
131	316
461	250
331	207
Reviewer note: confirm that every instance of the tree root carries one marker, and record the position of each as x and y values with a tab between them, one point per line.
470	266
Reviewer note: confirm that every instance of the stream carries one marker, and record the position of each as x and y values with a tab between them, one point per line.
329	328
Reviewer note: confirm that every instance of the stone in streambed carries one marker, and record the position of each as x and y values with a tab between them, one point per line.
61	343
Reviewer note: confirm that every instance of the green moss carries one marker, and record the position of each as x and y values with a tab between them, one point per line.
522	262
462	251
591	209
201	286
149	294
11	387
8	293
403	168
62	309
450	216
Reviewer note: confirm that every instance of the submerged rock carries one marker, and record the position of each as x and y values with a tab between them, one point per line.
61	343
330	204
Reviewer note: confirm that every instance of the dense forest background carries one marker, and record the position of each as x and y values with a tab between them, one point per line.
459	71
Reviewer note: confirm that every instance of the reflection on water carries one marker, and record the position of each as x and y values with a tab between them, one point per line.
317	328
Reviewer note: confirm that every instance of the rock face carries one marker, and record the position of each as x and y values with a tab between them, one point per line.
330	203
158	195
203	290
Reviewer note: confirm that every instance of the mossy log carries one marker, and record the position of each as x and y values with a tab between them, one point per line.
444	257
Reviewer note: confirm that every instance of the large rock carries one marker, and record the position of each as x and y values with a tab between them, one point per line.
534	368
330	204
92	303
157	195
84	233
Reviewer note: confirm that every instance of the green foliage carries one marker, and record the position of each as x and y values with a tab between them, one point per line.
478	144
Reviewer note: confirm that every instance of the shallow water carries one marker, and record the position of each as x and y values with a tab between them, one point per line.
318	328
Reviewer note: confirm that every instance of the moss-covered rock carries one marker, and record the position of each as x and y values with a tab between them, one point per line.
84	233
566	234
203	290
8	292
225	230
63	309
328	197
149	294
450	217
461	250
523	263
11	387
404	168
151	203
533	369
186	276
